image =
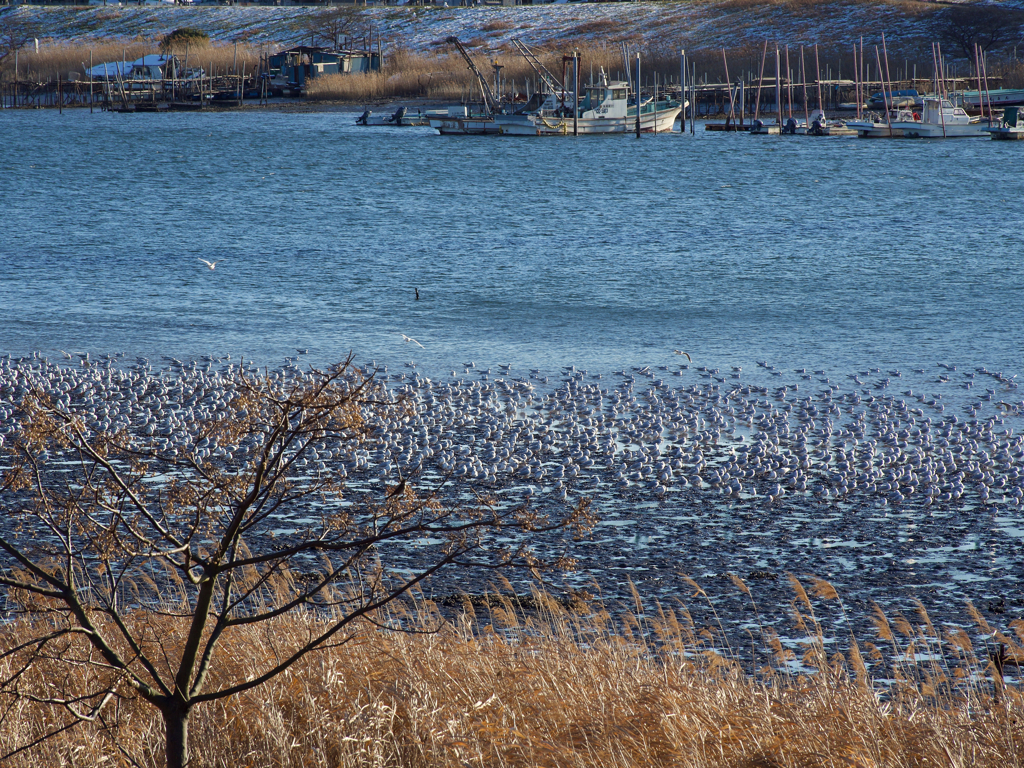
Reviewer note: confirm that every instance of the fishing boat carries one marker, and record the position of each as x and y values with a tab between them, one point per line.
605	108
940	119
460	121
1010	126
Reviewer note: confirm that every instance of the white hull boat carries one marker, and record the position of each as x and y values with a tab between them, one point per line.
459	122
605	109
876	126
940	119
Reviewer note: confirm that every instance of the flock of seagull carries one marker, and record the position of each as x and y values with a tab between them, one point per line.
654	433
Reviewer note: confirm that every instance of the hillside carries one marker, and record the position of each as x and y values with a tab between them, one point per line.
662	27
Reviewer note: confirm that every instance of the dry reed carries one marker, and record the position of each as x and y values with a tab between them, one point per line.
70	60
554	687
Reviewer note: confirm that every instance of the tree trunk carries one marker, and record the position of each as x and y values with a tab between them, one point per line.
176	731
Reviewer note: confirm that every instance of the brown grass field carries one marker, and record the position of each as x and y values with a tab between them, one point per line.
67	59
506	686
442	75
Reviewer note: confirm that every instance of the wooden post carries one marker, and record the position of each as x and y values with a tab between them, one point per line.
888	117
731	120
760	82
682	90
803	77
778	88
789	85
638	94
575	92
817	76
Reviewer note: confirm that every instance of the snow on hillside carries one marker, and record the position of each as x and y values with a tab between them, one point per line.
700	24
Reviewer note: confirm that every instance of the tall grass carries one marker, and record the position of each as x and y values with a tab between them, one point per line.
503	686
72	59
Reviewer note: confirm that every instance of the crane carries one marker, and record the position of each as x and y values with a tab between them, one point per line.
490	103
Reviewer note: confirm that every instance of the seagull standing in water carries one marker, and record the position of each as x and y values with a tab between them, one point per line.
211	264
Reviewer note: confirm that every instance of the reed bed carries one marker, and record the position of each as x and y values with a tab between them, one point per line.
69	60
554	686
445	77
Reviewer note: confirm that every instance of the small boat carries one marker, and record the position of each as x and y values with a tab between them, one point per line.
908	98
460	121
940	119
876	126
1010	126
606	108
402	117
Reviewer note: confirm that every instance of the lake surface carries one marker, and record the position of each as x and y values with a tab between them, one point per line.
598	252
607	254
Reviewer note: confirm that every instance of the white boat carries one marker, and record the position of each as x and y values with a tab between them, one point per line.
459	121
1010	126
876	126
940	119
605	109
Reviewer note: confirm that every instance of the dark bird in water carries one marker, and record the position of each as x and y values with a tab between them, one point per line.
417	293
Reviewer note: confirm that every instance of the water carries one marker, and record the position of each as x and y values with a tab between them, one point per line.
598	252
605	253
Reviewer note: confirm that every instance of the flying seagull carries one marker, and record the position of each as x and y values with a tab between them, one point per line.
211	264
678	351
409	338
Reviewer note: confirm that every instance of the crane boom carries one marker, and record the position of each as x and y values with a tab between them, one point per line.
490	102
552	83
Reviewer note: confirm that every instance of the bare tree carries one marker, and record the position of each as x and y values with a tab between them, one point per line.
330	26
989	27
15	33
160	557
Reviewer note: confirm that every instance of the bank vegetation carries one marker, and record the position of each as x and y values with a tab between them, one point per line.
548	683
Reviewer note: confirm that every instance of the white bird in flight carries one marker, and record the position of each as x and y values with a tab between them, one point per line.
680	352
211	264
410	338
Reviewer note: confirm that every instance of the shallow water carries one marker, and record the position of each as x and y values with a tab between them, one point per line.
604	253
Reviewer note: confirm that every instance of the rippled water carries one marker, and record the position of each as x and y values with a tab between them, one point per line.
598	252
605	253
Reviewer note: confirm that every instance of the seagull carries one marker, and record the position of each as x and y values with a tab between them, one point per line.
680	352
211	264
409	338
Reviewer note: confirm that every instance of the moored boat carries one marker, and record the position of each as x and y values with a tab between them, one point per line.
877	126
996	97
606	108
940	119
402	117
1010	126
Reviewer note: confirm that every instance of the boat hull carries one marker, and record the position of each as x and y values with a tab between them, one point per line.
872	130
661	121
932	131
465	126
